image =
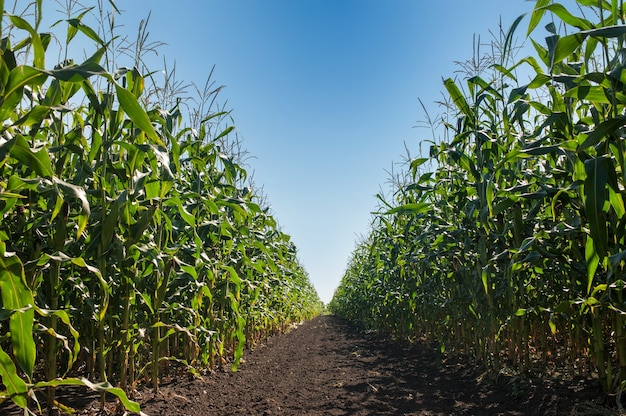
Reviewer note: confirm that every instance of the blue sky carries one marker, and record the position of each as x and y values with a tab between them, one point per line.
324	94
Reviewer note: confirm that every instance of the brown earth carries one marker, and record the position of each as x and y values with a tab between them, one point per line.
327	367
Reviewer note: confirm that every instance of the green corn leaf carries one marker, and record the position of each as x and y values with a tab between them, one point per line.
148	302
224	132
153	189
507	72
568	18
599	288
164	159
110	225
615	195
189	270
19	77
466	163
593	93
58	256
17	296
103	387
234	276
537	15
457	97
537	68
65	318
592	261
590	47
77	73
539	81
38	161
595	197
511	156
162	283
241	340
236	205
229	167
189	218
137	114
484	277
542	53
15	386
504	205
490	195
72	28
509	40
254	208
89	91
484	86
35	39
552	326
607	31
76	24
214	115
79	261
566	45
145	218
528	242
416	163
603	130
617	202
551	42
34	116
543	150
616	259
594	3
414	208
517	93
80	194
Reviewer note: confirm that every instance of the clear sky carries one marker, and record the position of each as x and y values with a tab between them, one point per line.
324	94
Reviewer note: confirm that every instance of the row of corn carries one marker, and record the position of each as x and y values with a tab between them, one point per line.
508	243
130	244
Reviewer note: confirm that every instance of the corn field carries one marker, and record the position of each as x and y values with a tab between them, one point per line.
507	244
132	244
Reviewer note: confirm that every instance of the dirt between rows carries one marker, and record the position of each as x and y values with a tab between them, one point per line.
327	367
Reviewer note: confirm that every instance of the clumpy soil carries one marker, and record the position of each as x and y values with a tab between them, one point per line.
327	367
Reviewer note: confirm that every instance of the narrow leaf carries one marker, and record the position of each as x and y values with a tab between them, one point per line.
603	130
593	93
595	197
592	261
80	194
418	208
137	114
38	161
607	31
16	387
16	296
537	15
38	49
457	97
566	45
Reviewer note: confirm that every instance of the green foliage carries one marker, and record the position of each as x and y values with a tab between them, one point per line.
512	249
127	242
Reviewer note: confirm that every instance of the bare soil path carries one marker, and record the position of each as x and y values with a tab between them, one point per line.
326	367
